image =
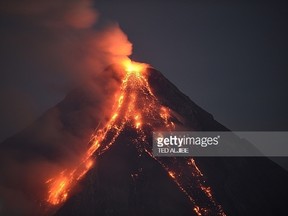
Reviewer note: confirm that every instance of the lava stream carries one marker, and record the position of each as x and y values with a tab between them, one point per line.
136	107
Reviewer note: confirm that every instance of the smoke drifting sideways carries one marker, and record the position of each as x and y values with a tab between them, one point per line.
41	40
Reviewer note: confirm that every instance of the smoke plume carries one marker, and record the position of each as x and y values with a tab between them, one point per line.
53	44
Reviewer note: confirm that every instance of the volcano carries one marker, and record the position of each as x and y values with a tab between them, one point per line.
118	174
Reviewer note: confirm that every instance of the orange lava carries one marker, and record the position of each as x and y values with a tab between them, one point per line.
60	186
137	107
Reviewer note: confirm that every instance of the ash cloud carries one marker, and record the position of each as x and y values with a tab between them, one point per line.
51	46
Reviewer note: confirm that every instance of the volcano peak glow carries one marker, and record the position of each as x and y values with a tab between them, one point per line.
134	67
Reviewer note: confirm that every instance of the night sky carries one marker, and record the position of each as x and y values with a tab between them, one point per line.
228	57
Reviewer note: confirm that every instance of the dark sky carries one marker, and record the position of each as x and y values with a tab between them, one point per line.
228	57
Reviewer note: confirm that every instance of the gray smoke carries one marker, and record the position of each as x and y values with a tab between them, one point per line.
47	49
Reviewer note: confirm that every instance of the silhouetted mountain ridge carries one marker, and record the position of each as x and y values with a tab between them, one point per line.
125	181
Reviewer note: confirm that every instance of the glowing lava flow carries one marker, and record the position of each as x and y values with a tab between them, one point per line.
60	186
137	107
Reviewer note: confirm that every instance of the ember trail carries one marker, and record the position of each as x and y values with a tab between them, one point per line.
136	107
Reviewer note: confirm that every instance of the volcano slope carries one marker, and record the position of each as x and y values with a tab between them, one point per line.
127	180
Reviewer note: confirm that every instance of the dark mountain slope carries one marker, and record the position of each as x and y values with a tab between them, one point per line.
125	181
